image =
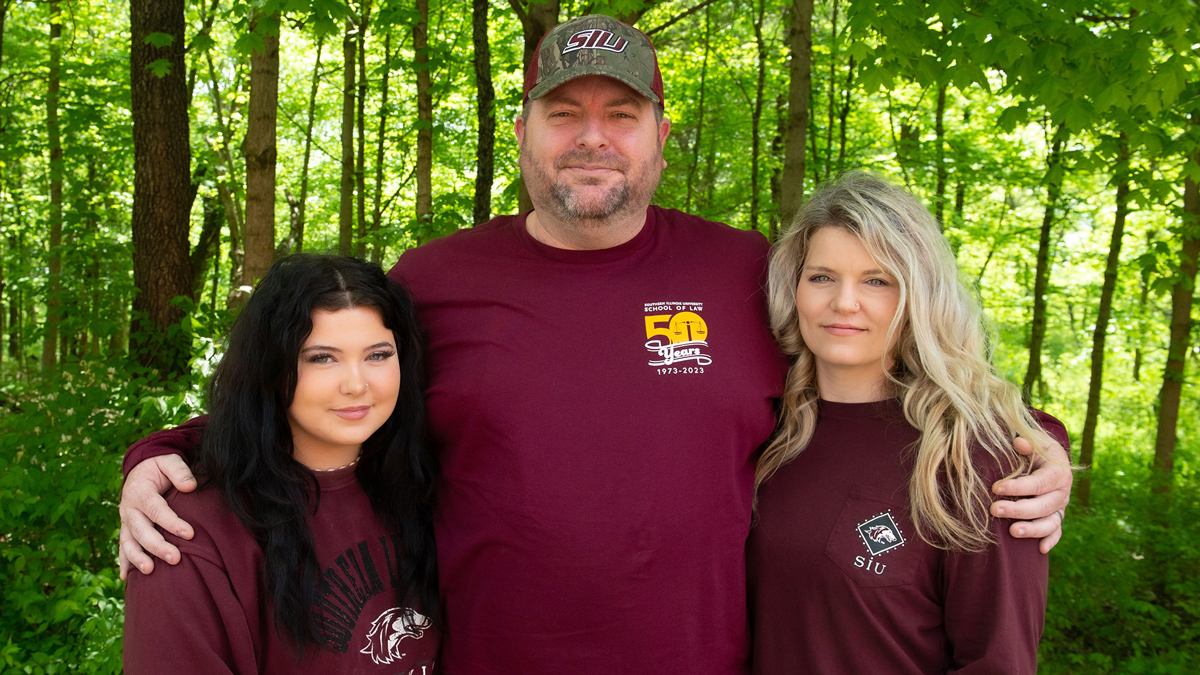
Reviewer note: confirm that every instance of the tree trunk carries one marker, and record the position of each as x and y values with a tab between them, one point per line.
939	127
1181	328
799	39
381	138
537	18
1083	491
756	115
777	172
54	138
833	45
14	310
485	115
1143	296
259	147
424	120
843	113
346	204
162	186
1041	279
228	191
210	239
696	142
297	232
360	167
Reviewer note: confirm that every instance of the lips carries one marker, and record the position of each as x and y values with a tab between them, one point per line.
354	413
843	330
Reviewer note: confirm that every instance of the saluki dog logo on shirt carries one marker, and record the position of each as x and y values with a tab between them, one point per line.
676	337
389	629
880	534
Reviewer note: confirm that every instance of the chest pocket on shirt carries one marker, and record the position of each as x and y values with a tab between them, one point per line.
874	541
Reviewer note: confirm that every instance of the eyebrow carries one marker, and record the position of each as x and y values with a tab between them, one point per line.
614	103
818	268
329	348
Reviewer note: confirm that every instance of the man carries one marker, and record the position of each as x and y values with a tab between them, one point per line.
601	377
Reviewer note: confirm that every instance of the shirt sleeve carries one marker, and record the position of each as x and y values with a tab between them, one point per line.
186	619
182	440
995	605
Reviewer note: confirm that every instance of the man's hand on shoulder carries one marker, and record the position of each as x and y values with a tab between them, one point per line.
142	505
1048	489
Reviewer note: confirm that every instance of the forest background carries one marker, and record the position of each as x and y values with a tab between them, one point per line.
157	155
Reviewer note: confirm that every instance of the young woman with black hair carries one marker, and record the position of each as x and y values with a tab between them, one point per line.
313	547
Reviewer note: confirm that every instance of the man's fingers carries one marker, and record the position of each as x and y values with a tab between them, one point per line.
1029	509
177	471
1049	541
143	535
1035	529
131	556
1046	479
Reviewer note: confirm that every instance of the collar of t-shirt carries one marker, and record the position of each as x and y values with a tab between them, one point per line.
603	255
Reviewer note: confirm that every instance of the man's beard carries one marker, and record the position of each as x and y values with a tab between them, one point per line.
570	206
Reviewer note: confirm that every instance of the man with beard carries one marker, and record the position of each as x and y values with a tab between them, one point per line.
601	376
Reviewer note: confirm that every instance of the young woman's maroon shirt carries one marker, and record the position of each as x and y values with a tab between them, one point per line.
210	613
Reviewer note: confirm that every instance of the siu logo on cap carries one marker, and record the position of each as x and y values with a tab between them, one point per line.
880	534
595	38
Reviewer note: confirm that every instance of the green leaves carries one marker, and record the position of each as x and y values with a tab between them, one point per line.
159	39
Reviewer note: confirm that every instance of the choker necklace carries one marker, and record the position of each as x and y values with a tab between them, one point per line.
344	466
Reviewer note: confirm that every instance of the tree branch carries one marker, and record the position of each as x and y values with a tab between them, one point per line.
678	17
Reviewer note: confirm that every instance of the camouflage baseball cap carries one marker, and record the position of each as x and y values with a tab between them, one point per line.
594	45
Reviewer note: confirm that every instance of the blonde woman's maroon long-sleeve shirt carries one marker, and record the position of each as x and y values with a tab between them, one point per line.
840	583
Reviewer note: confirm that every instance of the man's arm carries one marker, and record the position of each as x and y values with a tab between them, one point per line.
152	466
1048	489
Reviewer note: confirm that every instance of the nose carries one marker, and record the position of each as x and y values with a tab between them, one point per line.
354	383
592	134
845	301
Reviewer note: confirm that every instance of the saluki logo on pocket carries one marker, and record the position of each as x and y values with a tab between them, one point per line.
880	534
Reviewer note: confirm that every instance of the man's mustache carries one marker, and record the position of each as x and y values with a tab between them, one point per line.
591	159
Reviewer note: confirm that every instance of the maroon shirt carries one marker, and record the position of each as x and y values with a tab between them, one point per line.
210	613
597	415
839	581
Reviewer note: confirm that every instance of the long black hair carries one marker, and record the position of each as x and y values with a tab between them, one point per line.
247	449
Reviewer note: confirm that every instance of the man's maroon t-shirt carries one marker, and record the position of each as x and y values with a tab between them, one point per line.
211	613
597	415
840	583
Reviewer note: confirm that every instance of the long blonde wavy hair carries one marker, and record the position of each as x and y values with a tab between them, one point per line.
942	359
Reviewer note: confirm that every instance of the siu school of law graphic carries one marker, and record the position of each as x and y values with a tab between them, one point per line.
677	337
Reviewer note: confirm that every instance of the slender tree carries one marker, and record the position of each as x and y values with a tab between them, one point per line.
260	152
799	38
700	110
537	18
346	203
1037	327
381	138
1087	446
54	137
297	207
1181	328
485	114
756	114
424	205
360	166
161	182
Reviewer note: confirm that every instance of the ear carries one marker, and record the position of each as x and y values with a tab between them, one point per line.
664	130
519	129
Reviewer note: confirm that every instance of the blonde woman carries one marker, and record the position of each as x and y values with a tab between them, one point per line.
873	550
